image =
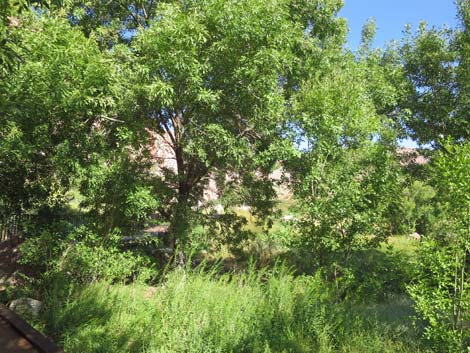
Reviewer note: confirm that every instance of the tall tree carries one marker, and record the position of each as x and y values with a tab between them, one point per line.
436	64
346	173
9	10
110	22
212	79
58	102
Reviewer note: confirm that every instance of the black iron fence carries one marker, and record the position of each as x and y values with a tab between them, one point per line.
14	227
11	227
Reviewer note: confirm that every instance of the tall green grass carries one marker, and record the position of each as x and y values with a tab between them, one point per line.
404	244
200	311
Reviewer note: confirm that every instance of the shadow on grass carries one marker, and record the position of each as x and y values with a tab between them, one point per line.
87	322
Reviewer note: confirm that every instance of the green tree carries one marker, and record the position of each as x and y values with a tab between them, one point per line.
211	78
117	186
436	62
441	288
345	198
346	174
108	22
9	10
58	106
416	208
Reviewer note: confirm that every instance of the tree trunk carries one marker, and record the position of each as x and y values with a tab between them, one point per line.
180	225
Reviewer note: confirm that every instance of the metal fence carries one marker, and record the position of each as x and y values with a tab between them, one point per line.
11	227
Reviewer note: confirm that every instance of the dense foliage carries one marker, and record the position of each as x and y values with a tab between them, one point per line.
441	286
228	130
436	65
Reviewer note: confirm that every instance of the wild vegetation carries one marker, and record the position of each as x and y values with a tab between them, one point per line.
225	176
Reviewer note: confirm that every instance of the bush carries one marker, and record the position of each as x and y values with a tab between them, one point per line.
373	275
81	256
40	252
416	209
84	263
441	286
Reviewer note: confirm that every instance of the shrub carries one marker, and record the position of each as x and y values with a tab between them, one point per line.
416	209
441	287
81	256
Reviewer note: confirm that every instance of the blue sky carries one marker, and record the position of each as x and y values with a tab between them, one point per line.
392	15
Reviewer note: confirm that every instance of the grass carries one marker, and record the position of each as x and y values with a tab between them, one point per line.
284	206
404	244
200	311
74	198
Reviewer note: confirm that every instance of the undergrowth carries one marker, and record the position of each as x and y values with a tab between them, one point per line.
203	311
